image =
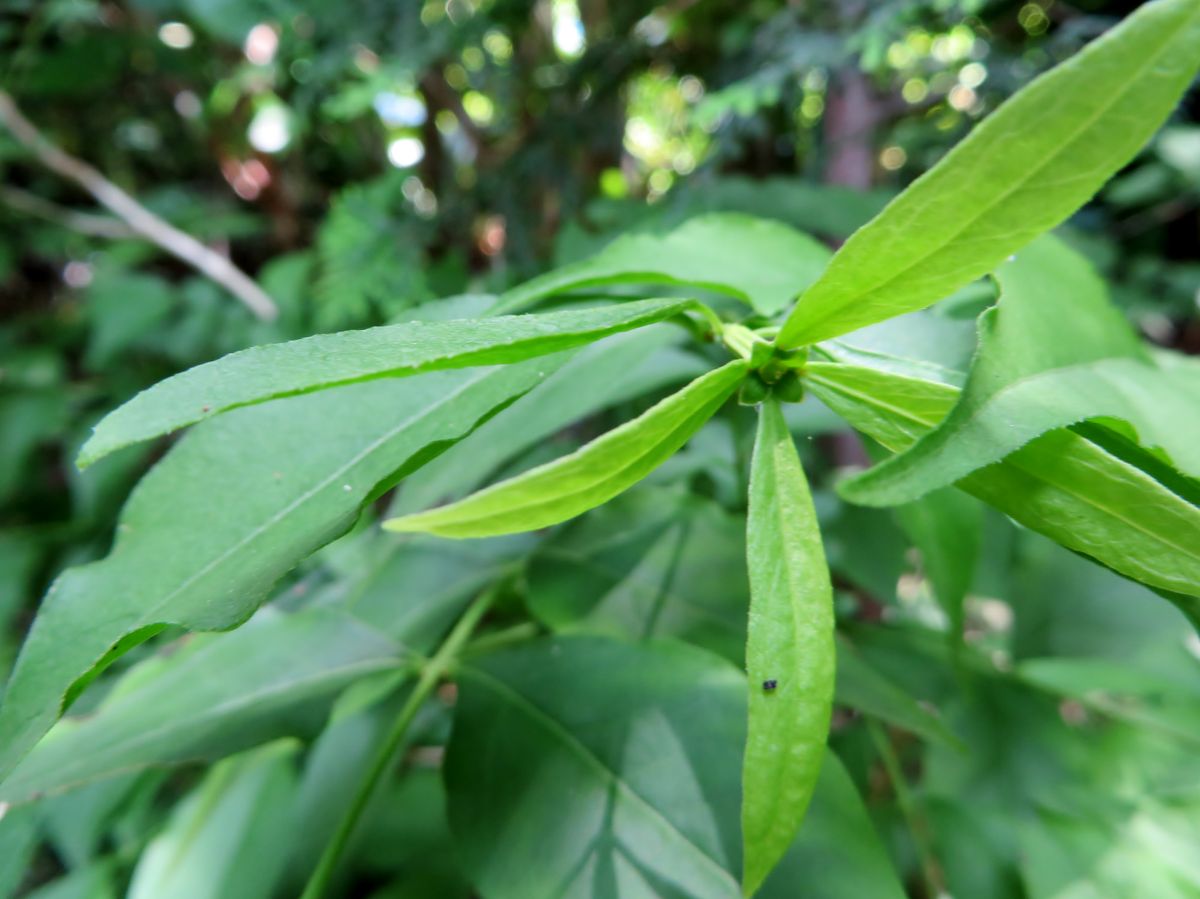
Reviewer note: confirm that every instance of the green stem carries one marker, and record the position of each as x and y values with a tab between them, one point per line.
713	320
930	870
318	883
518	633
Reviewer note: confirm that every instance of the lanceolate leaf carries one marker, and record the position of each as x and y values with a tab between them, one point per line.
862	687
600	375
789	650
328	360
228	511
1054	352
655	562
227	839
1061	485
583	480
1025	169
763	262
215	696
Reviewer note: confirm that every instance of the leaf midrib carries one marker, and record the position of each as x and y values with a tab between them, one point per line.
530	476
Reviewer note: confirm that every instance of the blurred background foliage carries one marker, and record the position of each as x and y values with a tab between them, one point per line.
362	157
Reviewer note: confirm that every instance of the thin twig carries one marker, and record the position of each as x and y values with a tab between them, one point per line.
140	219
931	871
85	223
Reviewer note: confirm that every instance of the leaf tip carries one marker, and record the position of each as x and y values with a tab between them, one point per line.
405	524
89	453
753	876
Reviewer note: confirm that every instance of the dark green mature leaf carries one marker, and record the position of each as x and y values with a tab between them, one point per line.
330	360
78	823
763	262
1054	352
215	696
831	210
599	375
18	839
1022	171
658	562
231	509
611	770
228	838
569	486
90	882
789	650
861	687
655	562
1061	485
837	855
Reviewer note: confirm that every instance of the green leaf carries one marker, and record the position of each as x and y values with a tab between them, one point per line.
864	688
831	210
1147	700
219	694
90	882
1023	170
228	839
594	768
658	562
232	508
600	375
789	650
569	486
77	824
19	829
655	562
1061	485
330	360
837	855
763	262
1053	353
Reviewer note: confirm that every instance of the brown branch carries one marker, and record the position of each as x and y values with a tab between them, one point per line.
437	90
139	219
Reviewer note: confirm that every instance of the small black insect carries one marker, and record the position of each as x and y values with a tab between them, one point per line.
769	685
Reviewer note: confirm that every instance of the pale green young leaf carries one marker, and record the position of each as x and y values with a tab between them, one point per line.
217	695
789	650
228	838
228	511
1052	353
1023	170
594	474
263	373
603	374
1061	484
763	262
